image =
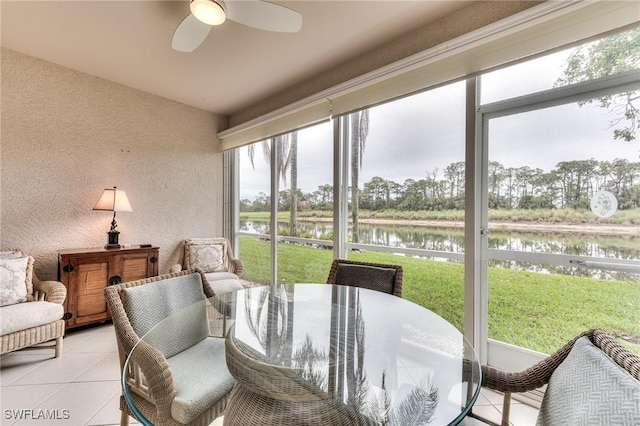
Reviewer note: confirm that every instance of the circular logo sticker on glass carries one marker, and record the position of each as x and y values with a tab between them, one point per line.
604	204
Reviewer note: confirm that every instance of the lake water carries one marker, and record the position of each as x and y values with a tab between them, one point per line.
452	240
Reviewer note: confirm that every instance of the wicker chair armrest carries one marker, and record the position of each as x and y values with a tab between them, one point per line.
237	266
158	382
49	291
533	377
521	381
618	353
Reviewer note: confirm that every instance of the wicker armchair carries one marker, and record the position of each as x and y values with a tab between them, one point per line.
374	276
213	256
39	320
181	378
539	374
231	264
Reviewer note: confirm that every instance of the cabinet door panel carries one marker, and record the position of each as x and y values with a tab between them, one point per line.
91	304
90	290
91	277
134	268
87	281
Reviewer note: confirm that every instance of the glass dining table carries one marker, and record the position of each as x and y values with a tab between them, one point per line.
319	354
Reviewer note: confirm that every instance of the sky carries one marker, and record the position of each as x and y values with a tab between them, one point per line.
414	136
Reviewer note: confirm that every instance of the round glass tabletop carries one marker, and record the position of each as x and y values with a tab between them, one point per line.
329	354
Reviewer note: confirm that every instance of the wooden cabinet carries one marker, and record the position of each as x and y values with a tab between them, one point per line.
86	273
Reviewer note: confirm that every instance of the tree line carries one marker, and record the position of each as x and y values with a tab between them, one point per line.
569	185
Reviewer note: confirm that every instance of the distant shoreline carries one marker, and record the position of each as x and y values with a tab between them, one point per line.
522	226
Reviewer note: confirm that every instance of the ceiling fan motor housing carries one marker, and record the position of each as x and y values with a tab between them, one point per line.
211	12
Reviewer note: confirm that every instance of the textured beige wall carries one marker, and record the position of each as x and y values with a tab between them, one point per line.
65	136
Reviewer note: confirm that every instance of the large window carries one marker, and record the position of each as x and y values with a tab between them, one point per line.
303	224
305	208
555	199
254	199
406	193
551	246
563	187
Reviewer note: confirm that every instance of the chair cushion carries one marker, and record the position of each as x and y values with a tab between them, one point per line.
15	276
200	378
223	282
26	315
206	254
371	277
589	388
148	304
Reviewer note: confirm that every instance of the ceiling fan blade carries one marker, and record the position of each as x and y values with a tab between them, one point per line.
264	16
189	34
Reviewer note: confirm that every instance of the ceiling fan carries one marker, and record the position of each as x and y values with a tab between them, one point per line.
254	13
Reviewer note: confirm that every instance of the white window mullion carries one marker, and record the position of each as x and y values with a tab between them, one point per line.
339	188
274	210
231	197
475	306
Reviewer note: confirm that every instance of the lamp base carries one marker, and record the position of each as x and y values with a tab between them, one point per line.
113	240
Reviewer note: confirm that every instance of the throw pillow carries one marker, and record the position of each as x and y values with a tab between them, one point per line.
589	388
11	254
17	254
207	254
15	275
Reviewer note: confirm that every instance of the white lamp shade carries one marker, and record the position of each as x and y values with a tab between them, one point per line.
210	12
114	200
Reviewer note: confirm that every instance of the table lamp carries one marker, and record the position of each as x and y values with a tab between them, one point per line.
114	200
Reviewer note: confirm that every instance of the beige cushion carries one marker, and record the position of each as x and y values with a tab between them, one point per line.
26	315
200	378
223	282
206	254
15	276
219	276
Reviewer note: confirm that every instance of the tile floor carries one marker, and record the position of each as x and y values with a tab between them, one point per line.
82	388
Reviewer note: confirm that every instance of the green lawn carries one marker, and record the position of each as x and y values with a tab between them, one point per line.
534	310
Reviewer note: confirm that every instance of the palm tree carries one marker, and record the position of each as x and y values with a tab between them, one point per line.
359	132
283	154
287	159
271	310
417	408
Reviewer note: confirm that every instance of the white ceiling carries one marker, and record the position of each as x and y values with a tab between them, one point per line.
129	42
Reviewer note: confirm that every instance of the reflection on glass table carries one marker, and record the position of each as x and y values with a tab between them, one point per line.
319	354
322	354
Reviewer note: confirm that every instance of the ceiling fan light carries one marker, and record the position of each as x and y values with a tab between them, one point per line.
210	12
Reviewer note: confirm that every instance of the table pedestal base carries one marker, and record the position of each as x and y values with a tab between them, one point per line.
249	408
